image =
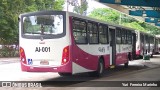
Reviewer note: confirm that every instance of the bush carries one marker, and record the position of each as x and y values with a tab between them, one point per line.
8	51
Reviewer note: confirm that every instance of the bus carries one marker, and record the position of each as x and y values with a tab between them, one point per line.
67	43
145	44
157	44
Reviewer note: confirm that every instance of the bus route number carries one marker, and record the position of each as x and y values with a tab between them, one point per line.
42	49
101	49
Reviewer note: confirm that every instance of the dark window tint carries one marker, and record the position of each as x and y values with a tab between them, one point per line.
123	36
118	36
79	31
129	37
93	33
103	34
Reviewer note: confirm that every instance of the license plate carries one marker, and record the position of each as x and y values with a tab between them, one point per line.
44	62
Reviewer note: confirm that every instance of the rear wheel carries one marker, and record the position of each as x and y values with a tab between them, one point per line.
129	58
126	65
65	74
99	70
152	53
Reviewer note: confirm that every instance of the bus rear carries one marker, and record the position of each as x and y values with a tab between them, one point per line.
44	42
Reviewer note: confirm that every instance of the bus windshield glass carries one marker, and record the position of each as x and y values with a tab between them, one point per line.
43	25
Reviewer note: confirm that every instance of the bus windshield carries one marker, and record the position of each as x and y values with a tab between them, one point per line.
43	25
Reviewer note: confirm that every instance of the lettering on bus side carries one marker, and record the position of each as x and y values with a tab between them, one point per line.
101	49
42	49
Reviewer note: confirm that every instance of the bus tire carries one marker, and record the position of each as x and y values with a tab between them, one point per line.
129	56
126	64
100	69
65	74
152	53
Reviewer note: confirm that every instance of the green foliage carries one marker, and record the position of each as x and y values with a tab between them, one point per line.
115	17
10	10
81	9
127	19
58	5
135	25
105	14
7	21
150	28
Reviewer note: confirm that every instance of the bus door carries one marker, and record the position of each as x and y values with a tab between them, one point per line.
133	46
144	44
149	44
112	41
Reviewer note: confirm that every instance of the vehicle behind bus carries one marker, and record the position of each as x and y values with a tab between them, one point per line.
145	44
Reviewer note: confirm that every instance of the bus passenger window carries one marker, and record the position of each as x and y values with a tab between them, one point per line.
103	34
129	37
123	36
93	33
118	36
79	32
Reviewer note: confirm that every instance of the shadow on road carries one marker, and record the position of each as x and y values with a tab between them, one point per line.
84	77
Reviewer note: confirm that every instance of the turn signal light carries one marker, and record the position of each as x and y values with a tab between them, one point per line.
23	56
65	55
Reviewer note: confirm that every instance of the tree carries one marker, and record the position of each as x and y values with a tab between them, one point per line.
105	14
8	21
150	28
10	10
127	19
58	5
48	4
115	17
81	8
135	25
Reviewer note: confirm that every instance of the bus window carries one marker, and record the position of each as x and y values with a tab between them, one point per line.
103	34
93	33
79	32
152	40
142	38
129	37
147	39
137	34
43	24
123	36
118	36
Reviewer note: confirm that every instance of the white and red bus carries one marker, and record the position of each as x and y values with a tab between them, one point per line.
145	44
67	43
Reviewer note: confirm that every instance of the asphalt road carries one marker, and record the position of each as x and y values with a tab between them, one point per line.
137	71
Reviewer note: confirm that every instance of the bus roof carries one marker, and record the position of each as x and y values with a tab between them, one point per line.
78	16
99	21
145	33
